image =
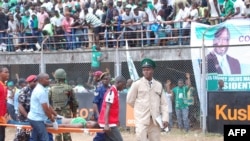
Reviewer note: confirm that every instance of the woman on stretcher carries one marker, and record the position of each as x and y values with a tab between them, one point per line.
77	122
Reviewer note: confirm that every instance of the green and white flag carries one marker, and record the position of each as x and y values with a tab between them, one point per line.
131	67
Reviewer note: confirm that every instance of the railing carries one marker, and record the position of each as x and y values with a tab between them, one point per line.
108	38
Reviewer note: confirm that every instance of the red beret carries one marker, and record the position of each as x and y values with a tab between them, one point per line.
31	78
98	73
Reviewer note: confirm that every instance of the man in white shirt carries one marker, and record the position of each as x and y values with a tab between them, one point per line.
239	7
151	18
139	17
247	9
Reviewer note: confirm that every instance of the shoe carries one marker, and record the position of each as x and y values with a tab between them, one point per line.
25	50
18	50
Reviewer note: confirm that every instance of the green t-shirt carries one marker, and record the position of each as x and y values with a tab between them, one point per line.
95	56
229	7
180	94
49	29
79	120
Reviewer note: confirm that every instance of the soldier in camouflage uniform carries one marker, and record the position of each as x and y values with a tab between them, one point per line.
62	99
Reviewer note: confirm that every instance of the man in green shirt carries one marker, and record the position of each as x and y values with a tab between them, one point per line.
97	57
181	102
228	9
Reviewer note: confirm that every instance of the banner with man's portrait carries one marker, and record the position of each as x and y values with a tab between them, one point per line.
226	54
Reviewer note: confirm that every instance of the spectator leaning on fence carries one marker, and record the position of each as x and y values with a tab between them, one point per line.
247	9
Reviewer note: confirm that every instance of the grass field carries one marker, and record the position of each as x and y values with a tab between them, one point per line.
174	135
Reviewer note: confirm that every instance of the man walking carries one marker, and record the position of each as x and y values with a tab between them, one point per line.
147	97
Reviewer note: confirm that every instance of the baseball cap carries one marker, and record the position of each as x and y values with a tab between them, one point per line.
97	73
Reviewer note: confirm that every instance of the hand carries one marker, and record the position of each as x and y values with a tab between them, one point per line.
55	125
165	124
106	128
59	116
187	75
168	82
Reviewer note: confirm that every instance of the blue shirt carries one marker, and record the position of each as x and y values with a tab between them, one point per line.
16	100
39	96
101	90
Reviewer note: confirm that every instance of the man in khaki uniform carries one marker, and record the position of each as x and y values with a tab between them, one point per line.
148	100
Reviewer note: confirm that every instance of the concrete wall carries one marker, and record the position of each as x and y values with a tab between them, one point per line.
65	57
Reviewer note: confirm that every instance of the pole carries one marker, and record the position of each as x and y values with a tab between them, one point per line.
42	64
203	84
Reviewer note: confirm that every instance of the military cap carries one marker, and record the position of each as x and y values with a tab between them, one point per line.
148	63
31	78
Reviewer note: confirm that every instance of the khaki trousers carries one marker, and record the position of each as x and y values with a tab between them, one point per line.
149	132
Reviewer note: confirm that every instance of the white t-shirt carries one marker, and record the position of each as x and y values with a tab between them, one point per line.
213	11
10	100
151	17
241	5
128	18
57	21
169	101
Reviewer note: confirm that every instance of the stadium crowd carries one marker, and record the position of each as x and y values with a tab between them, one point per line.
78	24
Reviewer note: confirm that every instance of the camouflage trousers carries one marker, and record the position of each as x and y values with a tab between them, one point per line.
65	136
22	135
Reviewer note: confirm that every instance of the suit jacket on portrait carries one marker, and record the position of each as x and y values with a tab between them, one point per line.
214	67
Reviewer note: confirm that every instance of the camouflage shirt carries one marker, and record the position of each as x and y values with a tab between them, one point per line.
24	100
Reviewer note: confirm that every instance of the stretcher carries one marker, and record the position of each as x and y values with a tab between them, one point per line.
60	129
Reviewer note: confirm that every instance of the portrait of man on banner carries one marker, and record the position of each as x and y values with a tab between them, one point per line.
218	61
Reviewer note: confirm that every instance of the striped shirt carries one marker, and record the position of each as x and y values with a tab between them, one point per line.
93	20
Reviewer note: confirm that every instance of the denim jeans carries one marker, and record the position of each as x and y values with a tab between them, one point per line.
182	118
113	135
39	131
2	133
99	137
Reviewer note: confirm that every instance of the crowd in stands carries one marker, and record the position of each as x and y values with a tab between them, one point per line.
78	24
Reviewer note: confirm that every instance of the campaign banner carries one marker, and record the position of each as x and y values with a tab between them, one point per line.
227	108
226	47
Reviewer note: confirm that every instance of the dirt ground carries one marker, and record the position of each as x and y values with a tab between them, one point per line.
174	135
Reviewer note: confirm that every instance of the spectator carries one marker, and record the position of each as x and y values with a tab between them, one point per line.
21	84
247	9
56	20
3	26
66	25
228	9
128	21
48	5
181	105
151	18
214	11
78	31
239	7
139	17
13	32
119	7
79	88
10	99
128	86
169	97
26	31
97	58
96	23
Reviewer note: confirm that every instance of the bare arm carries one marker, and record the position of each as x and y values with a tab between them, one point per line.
22	110
47	111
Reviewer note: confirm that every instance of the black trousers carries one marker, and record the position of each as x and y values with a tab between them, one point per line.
2	133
